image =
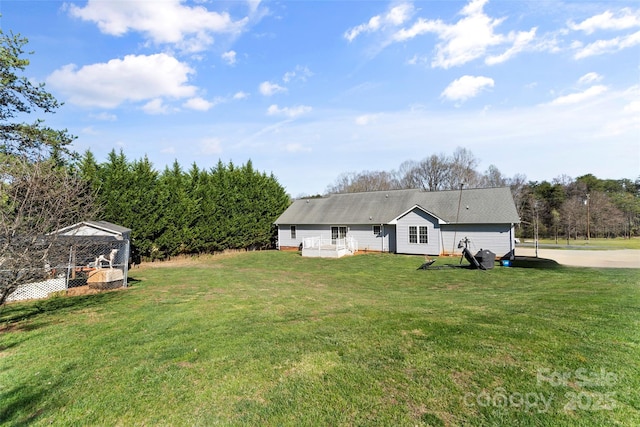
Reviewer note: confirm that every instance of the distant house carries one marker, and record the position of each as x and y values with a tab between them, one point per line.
403	221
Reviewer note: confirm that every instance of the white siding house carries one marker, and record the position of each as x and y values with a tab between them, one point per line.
406	221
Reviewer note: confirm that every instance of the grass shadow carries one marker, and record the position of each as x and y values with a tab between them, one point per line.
24	405
518	262
533	262
21	311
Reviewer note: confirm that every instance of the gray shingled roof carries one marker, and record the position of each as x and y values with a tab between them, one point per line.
477	206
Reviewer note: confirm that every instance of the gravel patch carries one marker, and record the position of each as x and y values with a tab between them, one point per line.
622	258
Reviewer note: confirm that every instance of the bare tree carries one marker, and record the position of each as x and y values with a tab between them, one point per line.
518	186
407	176
572	213
36	199
355	182
605	218
493	178
441	172
37	193
462	170
434	172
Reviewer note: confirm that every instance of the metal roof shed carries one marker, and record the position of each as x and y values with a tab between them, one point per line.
100	229
99	243
95	253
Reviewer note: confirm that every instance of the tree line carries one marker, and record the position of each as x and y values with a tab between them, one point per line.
45	186
563	208
175	212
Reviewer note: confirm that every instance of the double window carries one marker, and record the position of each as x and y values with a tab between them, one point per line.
418	234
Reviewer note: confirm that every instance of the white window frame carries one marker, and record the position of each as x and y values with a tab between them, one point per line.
377	233
338	234
423	231
293	232
413	228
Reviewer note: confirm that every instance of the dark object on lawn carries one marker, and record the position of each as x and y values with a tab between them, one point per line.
470	258
486	258
483	260
428	262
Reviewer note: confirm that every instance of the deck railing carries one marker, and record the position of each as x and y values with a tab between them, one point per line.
325	243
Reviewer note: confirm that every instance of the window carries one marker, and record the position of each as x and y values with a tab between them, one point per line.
418	234
377	230
424	235
413	234
293	231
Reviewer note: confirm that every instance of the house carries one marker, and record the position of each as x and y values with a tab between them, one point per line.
404	221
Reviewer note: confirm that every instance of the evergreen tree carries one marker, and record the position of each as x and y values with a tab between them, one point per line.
142	205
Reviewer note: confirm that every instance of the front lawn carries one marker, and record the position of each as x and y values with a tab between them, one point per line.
271	338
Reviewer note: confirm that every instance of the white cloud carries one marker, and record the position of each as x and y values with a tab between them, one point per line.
418	60
293	112
299	73
589	78
373	25
520	41
104	116
394	17
632	108
198	104
168	150
420	27
134	78
600	47
577	97
399	14
89	130
229	57
366	119
469	38
466	87
190	28
240	95
296	147
211	146
155	106
268	88
624	19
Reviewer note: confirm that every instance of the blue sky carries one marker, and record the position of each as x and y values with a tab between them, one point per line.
311	89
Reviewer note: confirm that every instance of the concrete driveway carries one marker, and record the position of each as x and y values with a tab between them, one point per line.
622	258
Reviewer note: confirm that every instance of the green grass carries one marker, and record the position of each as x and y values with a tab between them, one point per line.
271	338
599	243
